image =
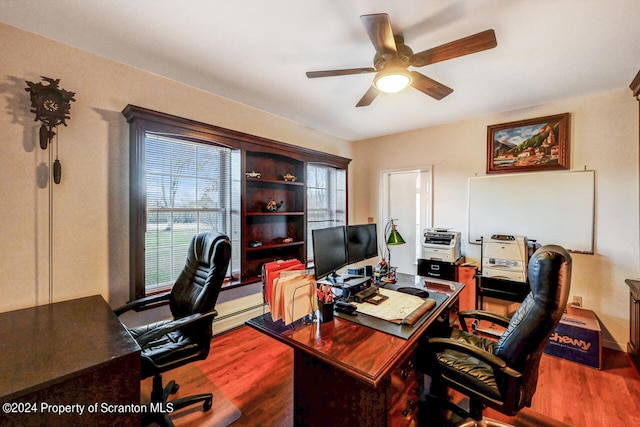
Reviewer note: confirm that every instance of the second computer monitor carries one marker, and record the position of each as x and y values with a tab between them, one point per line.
362	242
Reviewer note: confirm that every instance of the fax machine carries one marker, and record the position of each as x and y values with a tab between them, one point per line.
505	257
441	245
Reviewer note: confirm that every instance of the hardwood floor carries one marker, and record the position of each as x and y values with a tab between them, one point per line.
256	373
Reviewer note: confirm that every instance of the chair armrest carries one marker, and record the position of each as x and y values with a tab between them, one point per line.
141	303
441	344
482	315
173	325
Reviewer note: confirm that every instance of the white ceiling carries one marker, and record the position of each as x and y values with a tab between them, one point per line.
257	52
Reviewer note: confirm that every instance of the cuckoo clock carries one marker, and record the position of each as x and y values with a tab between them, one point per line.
51	105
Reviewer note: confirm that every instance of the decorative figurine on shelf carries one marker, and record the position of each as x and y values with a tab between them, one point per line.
272	206
253	174
289	177
282	240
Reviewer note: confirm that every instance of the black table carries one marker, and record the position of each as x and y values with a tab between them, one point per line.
503	289
74	353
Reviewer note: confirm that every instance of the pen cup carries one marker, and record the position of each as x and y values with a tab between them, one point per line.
326	311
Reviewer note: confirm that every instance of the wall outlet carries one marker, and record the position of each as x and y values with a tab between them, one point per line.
577	301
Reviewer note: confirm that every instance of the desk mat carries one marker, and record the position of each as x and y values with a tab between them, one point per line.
401	331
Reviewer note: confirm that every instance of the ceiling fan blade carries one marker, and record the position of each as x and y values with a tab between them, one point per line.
464	46
345	72
378	28
429	86
368	97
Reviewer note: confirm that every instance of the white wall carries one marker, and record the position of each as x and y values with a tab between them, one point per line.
604	134
90	206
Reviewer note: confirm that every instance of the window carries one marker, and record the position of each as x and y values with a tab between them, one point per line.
326	199
188	190
187	177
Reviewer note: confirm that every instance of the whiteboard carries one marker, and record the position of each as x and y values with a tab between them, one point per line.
549	207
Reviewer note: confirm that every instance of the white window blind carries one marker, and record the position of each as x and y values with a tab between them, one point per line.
189	189
326	199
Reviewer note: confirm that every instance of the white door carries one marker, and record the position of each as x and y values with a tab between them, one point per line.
406	199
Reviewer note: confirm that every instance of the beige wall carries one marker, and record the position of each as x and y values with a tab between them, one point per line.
604	138
90	206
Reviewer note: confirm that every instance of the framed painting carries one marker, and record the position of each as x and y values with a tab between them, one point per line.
529	145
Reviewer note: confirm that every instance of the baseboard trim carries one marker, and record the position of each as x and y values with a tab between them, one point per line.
236	319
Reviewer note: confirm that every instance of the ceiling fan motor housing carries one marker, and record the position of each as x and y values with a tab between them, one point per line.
403	57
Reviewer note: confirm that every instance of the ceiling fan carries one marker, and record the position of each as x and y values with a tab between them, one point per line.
393	57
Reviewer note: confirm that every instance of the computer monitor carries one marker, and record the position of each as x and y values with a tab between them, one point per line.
329	251
362	242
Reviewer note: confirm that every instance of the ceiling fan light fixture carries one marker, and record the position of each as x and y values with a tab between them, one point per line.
392	81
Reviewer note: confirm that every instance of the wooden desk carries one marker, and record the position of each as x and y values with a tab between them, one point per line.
69	353
347	374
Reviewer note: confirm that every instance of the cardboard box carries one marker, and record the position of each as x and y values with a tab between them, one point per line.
578	338
498	306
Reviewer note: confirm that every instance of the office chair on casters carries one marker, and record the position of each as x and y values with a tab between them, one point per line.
186	338
501	375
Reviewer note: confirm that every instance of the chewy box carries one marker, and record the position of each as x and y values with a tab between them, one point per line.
577	338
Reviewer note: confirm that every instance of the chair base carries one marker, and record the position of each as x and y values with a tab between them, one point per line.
484	422
442	412
159	408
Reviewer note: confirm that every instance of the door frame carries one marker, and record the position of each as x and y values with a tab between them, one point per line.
426	209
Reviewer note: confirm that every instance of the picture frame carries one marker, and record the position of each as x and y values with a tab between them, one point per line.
539	144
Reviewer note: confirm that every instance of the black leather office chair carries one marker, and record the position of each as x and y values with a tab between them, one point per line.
501	375
172	343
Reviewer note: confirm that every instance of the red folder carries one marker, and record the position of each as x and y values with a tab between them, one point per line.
272	270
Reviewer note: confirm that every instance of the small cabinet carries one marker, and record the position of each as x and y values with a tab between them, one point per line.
633	347
276	233
439	269
501	289
466	274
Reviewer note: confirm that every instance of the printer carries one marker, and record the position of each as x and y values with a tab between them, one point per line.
441	245
505	256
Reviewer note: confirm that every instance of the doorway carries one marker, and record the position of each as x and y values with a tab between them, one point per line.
407	199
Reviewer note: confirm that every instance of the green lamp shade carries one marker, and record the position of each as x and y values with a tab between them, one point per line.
395	238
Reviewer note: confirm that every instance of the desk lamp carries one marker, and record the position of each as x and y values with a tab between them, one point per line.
392	238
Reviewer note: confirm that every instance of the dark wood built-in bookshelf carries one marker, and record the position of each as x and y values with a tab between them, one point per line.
272	159
281	234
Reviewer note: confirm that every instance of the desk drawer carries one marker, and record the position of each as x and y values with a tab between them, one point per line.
402	378
405	411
